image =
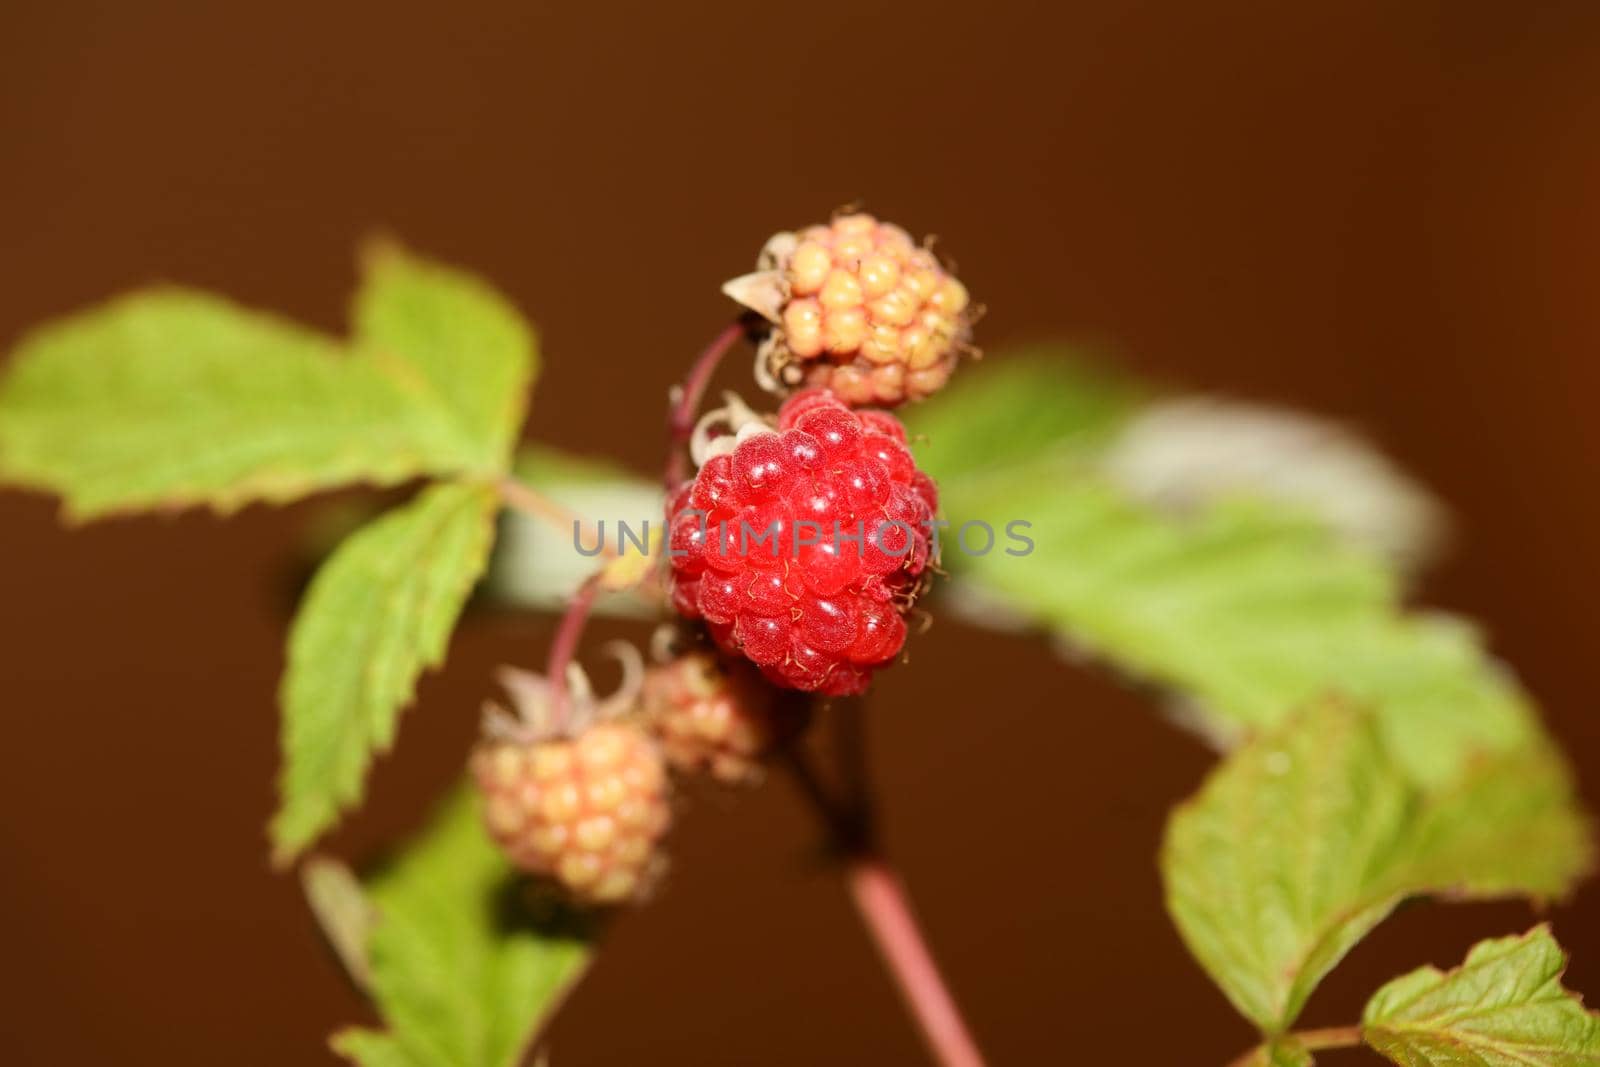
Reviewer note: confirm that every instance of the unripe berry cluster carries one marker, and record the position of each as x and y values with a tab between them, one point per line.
587	811
860	309
713	717
804	547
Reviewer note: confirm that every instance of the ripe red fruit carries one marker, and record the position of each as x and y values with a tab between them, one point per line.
712	718
805	547
586	811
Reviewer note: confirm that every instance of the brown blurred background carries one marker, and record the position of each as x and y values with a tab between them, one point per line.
1380	211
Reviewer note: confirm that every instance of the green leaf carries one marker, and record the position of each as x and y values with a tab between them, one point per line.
1247	607
378	613
1034	403
370	1048
169	398
473	354
1176	452
461	974
1503	1007
1183	452
1305	839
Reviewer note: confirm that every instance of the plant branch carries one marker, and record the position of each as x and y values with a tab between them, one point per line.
1329	1037
565	645
528	500
685	401
850	738
1310	1040
880	899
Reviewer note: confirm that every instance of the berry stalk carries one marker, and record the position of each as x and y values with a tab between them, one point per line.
686	400
565	646
880	898
1310	1040
530	501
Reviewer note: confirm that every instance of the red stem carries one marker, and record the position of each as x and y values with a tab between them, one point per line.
565	645
876	889
686	401
881	899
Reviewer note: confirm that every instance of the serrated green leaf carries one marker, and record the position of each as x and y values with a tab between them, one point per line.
170	398
1504	1007
378	613
460	973
472	352
1305	839
1247	608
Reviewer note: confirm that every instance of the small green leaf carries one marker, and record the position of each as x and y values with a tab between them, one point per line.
471	351
461	974
170	398
1504	1007
378	613
1305	839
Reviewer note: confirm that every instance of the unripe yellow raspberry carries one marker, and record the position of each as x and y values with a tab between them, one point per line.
587	811
719	719
859	308
574	788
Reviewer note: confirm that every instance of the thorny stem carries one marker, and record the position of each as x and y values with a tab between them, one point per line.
880	898
565	645
685	401
1311	1041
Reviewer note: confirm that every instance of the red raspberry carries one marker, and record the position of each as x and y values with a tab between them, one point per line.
859	308
587	811
803	549
722	720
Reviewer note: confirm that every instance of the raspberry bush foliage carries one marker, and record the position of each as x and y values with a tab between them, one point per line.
1246	565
